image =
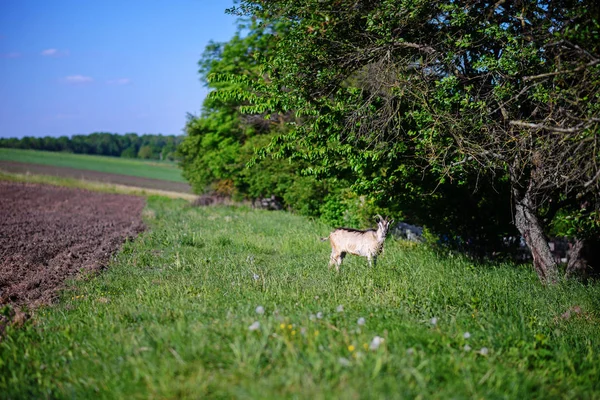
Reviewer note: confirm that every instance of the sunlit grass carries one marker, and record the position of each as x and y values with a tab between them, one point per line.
167	171
238	303
91	185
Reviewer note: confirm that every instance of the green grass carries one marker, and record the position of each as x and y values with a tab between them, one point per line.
91	185
146	169
171	318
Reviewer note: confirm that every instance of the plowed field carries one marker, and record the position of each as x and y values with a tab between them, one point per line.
49	234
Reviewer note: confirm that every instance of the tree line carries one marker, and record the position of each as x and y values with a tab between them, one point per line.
130	145
479	120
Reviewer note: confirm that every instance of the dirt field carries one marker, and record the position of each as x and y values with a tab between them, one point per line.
48	234
23	168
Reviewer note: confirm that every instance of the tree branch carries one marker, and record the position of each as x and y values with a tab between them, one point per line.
546	127
588	183
570	71
425	48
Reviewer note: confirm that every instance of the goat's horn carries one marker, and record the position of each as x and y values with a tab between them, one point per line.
380	217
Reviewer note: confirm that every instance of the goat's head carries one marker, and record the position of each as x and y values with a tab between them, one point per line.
383	225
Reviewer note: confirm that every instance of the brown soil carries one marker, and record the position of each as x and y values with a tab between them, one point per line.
49	234
23	168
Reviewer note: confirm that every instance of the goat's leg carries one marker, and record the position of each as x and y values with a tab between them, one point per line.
333	258
372	260
339	260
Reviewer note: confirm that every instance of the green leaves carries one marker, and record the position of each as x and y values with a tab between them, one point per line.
412	103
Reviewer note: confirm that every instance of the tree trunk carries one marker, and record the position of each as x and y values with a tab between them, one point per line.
530	227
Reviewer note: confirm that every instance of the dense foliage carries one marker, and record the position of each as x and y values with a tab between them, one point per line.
130	145
219	150
462	115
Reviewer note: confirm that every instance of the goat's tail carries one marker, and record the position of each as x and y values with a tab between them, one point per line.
324	238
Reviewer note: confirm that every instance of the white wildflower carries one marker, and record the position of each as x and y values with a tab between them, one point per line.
316	297
484	351
410	351
255	276
434	321
319	315
344	362
467	347
255	326
376	342
361	321
260	310
312	317
466	335
340	308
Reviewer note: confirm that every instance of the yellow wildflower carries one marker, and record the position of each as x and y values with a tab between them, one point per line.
351	348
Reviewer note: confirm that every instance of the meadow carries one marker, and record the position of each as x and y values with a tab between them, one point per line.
167	171
224	302
92	185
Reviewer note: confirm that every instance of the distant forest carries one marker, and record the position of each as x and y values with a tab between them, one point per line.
130	145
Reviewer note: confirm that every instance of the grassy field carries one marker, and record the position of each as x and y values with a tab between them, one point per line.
167	171
95	186
239	303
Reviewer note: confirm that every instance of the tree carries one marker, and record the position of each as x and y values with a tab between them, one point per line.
466	94
102	143
145	152
219	151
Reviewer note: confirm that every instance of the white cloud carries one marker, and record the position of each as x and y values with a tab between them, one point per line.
78	79
120	81
13	54
55	53
49	52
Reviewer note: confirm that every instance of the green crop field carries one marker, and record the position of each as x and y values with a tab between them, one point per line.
167	171
238	303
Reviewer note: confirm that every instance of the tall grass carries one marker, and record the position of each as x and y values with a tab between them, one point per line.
175	316
167	171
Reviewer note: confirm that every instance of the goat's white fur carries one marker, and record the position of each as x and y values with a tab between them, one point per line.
368	243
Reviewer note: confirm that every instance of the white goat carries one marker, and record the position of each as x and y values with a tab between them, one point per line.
368	243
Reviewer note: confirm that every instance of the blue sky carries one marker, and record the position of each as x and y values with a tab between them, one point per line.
77	67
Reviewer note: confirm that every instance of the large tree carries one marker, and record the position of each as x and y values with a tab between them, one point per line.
218	152
470	94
